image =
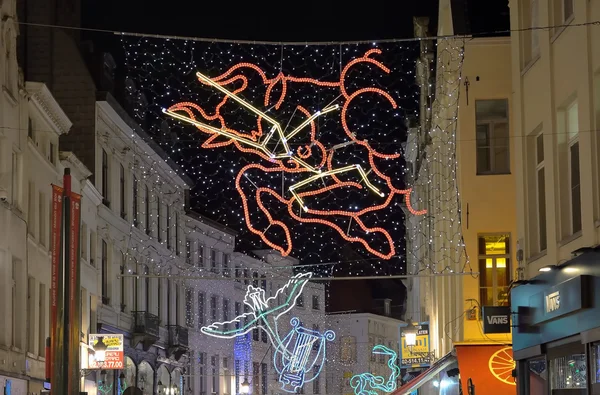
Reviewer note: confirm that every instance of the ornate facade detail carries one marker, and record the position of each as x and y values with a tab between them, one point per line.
41	97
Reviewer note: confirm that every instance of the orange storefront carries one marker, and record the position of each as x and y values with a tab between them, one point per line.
480	368
487	366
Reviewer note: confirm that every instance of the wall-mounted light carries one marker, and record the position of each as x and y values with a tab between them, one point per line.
100	350
410	335
245	387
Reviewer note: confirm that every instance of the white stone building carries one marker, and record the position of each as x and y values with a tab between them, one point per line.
30	162
351	352
222	366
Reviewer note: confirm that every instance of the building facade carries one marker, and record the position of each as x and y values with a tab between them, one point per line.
556	110
30	162
486	174
352	350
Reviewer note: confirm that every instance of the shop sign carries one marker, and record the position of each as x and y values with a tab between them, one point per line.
114	356
561	299
496	319
418	355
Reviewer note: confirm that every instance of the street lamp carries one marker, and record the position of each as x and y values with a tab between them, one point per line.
410	335
100	350
245	387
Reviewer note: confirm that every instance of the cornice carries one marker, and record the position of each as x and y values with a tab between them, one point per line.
42	98
74	162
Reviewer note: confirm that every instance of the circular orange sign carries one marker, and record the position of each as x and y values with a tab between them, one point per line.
501	365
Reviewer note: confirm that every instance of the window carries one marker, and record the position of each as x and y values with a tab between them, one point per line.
147	207
188	251
31	209
213	308
492	137
572	123
30	129
213	261
93	248
16	179
300	301
263	336
225	313
200	255
317	380
263	282
158	220
105	179
122	192
146	288
237	367
529	13
42	321
563	12
43	215
136	218
52	153
246	277
315	345
226	270
202	372
214	364
315	302
348	349
494	269
567	139
189	305
568	368
31	314
169	227
159	296
264	383
541	193
238	273
104	258
177	248
256	377
123	290
201	313
237	312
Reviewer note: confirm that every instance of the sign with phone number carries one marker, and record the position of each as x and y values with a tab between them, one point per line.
112	360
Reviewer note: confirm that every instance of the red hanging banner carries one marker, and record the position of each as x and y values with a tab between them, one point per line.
74	293
56	240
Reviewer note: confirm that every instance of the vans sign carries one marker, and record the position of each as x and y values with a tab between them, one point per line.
496	319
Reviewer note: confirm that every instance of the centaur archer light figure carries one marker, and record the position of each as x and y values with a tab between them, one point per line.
282	151
313	160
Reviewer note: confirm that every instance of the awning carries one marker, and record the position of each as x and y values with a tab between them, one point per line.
426	375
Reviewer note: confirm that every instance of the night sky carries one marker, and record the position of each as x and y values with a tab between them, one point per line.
164	72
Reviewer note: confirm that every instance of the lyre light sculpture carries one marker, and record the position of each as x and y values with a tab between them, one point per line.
300	357
272	145
369	384
293	358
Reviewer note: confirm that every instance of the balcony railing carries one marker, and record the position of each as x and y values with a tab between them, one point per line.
145	328
146	323
178	336
178	340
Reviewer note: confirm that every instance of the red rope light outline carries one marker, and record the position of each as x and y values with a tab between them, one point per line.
289	166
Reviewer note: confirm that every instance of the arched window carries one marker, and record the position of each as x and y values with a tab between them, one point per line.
145	378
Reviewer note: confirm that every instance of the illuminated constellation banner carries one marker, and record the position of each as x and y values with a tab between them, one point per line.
312	165
300	354
369	384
